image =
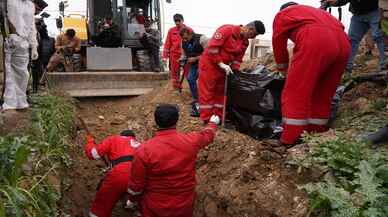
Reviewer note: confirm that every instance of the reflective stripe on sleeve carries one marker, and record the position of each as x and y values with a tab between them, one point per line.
92	215
205	106
214	51
317	121
218	105
295	122
134	193
95	154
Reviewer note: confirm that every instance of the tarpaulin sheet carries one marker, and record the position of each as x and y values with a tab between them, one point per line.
254	102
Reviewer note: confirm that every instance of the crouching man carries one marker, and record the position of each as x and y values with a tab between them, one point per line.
120	150
163	172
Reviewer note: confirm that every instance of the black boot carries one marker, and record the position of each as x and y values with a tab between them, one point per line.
195	110
380	136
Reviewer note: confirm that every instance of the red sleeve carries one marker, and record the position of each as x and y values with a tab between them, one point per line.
205	137
138	173
94	151
282	27
239	59
216	43
140	19
167	45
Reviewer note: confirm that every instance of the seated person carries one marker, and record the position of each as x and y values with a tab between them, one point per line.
65	45
108	24
109	34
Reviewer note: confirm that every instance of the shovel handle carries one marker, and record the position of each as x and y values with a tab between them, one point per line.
85	127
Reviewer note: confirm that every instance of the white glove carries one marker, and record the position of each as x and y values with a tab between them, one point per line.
226	68
215	119
34	53
130	205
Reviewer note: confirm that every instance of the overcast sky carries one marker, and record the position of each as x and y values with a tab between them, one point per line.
204	16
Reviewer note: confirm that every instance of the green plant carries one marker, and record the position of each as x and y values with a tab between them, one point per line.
26	162
358	181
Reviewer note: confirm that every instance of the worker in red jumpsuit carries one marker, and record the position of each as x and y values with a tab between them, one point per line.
224	54
320	54
173	50
120	150
163	172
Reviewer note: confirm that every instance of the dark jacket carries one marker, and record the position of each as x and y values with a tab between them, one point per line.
360	7
193	48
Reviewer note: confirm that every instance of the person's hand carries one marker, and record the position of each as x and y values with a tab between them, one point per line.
226	68
192	60
34	53
130	205
164	60
215	119
90	139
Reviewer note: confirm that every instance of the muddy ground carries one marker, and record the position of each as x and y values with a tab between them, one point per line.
236	177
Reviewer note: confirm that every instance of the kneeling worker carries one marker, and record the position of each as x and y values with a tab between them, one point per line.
163	171
193	45
120	150
321	51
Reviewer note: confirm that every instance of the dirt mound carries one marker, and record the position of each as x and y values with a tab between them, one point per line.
235	176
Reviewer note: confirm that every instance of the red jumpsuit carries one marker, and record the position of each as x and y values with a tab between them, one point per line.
115	183
164	172
319	58
173	51
227	46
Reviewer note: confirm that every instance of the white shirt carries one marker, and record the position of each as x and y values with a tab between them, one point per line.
21	15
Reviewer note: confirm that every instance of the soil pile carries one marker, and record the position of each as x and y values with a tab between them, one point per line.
236	176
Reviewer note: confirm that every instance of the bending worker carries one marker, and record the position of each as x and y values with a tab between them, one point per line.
163	172
193	45
321	51
172	50
224	54
120	150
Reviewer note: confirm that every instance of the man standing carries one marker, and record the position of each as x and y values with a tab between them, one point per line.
120	150
163	172
16	48
173	51
193	45
312	77
366	15
66	44
152	40
224	54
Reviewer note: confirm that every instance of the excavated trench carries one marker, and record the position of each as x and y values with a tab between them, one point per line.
235	176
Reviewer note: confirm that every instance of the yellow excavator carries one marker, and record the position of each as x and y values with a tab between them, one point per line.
112	71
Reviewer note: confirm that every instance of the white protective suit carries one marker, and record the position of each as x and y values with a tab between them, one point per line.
16	47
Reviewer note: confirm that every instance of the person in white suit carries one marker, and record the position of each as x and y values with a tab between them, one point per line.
22	37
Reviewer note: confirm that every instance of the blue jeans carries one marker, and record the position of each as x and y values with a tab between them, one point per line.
359	26
192	79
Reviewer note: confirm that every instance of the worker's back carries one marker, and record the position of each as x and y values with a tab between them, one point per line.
115	148
171	159
303	16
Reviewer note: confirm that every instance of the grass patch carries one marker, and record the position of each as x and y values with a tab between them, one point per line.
356	180
27	161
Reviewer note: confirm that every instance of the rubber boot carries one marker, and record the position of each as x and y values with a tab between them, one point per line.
194	109
379	137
